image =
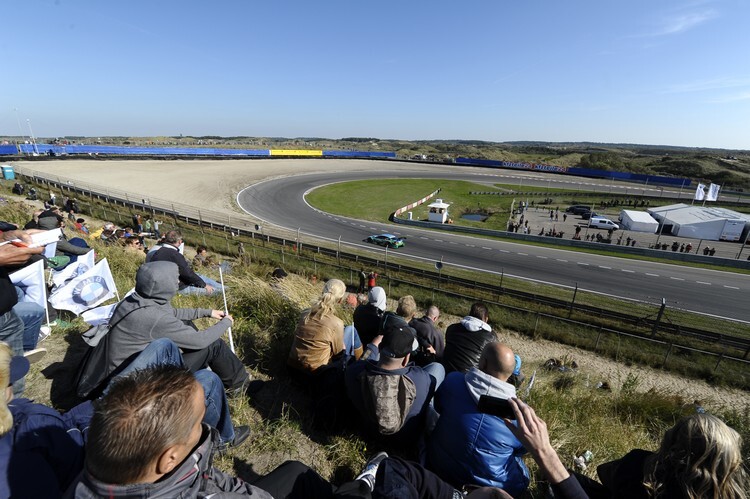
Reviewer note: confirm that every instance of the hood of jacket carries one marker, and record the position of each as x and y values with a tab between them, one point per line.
158	281
376	297
49	222
474	324
181	482
480	383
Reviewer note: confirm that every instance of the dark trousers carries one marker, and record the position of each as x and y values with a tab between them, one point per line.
221	360
293	480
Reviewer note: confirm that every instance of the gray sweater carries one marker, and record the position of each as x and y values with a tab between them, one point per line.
147	314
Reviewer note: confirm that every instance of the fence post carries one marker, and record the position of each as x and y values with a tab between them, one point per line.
536	323
721	357
570	309
669	350
598	336
658	317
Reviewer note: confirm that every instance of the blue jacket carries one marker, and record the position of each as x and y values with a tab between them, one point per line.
43	452
468	446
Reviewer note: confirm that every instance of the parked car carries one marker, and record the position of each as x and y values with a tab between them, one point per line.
388	240
603	223
590	214
577	209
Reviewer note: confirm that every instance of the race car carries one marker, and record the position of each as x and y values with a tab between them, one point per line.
388	240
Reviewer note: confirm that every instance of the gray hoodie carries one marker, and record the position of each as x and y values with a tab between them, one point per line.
147	314
480	383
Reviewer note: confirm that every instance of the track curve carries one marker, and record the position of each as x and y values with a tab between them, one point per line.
705	291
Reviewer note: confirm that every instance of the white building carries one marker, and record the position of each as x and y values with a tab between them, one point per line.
702	222
438	211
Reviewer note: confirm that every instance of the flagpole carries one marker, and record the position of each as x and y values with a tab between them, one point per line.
226	308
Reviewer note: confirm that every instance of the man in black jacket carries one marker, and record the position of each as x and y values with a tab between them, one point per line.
465	340
190	282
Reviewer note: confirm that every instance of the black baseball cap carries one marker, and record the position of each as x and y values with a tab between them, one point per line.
398	341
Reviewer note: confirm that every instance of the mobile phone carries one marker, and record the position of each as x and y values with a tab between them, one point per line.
496	407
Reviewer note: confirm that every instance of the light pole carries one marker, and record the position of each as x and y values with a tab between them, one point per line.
33	142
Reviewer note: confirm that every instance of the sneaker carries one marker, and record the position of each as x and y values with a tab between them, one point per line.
241	434
239	390
44	332
371	469
34	356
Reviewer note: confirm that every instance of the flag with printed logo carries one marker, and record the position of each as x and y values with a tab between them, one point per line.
700	192
79	267
31	281
86	291
713	192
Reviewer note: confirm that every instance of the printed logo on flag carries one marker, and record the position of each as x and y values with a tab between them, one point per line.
88	291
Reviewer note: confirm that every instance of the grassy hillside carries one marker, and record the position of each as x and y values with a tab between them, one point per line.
580	416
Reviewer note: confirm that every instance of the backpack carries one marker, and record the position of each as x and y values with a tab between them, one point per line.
388	400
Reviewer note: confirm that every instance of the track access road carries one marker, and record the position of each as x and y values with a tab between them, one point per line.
281	202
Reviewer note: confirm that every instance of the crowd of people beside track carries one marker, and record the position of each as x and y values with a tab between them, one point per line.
157	409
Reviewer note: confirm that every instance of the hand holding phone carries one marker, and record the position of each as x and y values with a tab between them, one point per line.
496	406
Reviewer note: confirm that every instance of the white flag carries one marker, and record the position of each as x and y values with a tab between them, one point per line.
50	250
31	280
79	267
713	192
99	315
700	192
86	291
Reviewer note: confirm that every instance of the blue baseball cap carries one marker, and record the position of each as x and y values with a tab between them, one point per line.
19	366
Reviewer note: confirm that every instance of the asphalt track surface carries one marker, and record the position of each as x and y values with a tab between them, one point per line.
711	292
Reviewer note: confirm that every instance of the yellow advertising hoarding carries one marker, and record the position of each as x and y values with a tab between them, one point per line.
296	152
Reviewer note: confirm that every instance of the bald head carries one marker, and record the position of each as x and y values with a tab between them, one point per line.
433	313
497	360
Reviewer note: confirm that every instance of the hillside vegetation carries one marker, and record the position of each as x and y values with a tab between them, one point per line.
580	415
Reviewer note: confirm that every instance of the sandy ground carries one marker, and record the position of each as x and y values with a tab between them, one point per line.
214	184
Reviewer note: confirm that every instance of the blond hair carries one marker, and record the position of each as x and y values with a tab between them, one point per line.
6	418
699	457
333	292
407	307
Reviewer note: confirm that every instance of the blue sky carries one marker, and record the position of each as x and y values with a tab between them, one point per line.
638	71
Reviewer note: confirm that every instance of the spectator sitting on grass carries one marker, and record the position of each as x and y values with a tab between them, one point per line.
469	446
465	340
367	317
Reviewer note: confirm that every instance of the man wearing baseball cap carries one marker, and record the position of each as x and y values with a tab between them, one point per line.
391	393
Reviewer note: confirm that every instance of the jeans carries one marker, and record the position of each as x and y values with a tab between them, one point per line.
437	371
11	332
164	351
217	408
221	360
351	340
192	290
32	315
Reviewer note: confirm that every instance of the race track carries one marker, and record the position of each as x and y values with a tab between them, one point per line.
275	195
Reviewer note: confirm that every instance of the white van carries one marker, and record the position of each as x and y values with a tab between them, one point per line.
603	223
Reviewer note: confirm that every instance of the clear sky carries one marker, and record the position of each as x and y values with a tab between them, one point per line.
640	71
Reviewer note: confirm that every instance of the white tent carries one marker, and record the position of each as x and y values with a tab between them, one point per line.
638	221
698	222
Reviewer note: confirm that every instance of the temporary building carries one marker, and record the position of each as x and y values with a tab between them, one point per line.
638	221
438	211
702	222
